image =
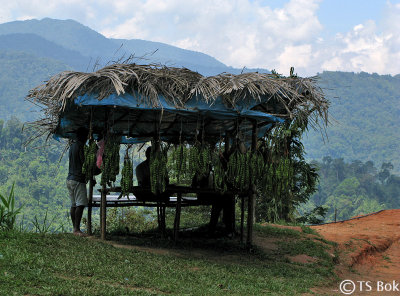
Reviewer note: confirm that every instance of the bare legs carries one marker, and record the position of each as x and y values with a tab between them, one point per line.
76	217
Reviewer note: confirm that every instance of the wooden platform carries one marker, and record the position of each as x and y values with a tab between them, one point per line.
114	200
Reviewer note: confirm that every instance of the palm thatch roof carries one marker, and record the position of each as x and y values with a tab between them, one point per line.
156	86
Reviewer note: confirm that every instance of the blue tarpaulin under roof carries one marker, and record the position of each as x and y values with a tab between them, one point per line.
130	116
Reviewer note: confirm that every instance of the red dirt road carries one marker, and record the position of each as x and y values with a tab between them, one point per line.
369	250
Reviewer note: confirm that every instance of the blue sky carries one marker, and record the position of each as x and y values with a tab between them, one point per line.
311	35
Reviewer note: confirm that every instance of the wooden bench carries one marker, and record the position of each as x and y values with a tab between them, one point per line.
107	199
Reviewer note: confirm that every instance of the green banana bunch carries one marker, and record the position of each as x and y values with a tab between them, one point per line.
127	177
90	159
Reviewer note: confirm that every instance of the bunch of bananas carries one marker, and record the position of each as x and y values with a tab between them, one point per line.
219	175
127	176
189	162
239	170
204	161
110	167
90	159
158	170
179	161
256	166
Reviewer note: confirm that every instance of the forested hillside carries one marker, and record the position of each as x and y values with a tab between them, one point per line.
42	48
365	117
19	73
38	177
354	188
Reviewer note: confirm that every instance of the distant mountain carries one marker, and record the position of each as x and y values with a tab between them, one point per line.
66	33
19	73
78	38
40	47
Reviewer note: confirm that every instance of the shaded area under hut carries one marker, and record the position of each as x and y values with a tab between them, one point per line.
196	124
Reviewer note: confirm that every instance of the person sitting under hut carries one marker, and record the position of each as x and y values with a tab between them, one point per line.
143	170
143	178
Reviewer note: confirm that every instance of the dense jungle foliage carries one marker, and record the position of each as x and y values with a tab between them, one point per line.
354	188
365	116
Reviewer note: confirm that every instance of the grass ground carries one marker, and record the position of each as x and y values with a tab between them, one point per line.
61	264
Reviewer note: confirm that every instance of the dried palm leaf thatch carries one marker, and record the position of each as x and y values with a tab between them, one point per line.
292	96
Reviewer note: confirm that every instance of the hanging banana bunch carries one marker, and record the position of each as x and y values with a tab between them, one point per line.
239	170
158	170
256	167
219	175
110	167
180	153
188	162
90	159
204	160
194	155
127	176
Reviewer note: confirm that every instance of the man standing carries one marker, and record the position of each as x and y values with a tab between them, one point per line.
76	180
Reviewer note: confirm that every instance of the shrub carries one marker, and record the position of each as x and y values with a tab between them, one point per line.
8	212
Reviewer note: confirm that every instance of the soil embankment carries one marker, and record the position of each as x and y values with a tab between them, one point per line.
369	247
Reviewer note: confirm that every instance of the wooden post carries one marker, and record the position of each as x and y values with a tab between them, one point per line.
161	218
230	214
89	213
158	216
163	225
177	215
252	193
241	219
103	213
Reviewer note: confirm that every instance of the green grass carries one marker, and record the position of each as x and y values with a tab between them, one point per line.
61	264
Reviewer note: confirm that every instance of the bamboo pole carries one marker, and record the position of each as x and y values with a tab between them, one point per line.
89	213
252	193
91	182
241	219
232	201
177	215
103	213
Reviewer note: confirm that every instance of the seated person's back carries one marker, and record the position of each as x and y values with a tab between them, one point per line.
143	178
143	170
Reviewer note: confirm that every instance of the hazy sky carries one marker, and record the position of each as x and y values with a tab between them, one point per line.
311	35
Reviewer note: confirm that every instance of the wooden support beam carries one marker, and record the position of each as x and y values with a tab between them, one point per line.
103	213
161	218
89	213
252	194
242	219
177	216
163	225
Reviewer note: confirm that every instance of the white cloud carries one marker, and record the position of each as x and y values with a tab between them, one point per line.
369	47
238	33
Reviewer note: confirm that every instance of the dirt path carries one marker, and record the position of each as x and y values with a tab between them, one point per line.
369	249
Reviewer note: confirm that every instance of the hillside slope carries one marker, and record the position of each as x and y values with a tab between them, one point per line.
365	113
42	48
19	73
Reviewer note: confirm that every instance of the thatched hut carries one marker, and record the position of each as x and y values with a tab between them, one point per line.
139	103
